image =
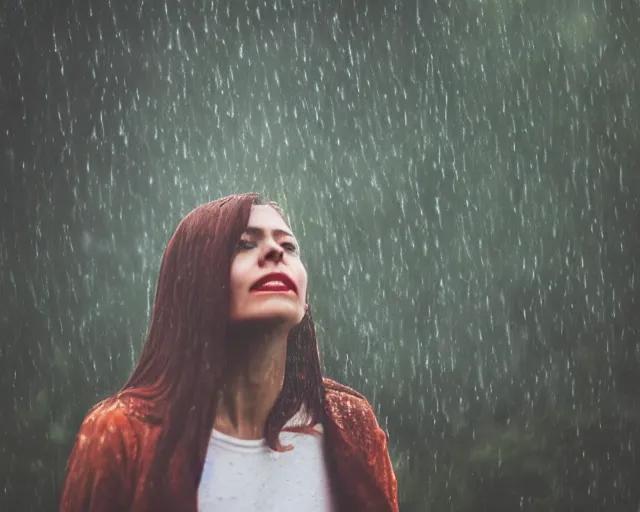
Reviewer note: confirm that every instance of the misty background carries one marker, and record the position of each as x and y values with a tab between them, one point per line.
463	177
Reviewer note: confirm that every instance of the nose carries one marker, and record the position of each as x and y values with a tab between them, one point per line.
273	252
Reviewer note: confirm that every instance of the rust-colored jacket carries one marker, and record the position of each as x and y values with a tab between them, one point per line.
111	458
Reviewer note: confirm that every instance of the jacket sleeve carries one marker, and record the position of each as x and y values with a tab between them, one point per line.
382	462
96	479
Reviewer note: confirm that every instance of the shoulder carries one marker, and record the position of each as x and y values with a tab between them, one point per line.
113	427
336	389
107	427
359	450
102	462
348	408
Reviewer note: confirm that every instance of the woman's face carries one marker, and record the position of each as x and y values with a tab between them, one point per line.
268	280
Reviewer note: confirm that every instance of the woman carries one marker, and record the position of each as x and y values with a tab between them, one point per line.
227	409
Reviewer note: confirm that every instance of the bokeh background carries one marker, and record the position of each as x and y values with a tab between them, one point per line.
463	177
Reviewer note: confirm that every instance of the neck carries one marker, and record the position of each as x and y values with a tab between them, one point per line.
254	378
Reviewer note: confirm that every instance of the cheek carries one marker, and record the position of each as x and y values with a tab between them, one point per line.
237	280
302	283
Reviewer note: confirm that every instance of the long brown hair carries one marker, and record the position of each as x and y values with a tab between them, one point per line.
180	368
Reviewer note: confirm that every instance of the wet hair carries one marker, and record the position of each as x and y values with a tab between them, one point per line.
181	365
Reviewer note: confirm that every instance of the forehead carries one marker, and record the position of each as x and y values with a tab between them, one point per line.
266	217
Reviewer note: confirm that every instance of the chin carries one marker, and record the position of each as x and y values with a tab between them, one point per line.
285	317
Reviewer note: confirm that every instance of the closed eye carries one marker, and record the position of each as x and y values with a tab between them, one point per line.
246	244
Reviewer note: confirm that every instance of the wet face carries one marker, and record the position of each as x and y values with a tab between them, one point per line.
268	279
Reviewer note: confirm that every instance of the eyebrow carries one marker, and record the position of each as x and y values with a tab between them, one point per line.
260	232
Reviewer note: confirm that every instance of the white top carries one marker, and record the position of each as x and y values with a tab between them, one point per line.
247	476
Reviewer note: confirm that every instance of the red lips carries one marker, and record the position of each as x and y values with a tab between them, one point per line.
275	276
